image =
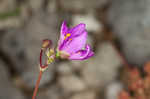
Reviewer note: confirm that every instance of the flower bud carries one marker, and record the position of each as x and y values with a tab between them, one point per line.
46	44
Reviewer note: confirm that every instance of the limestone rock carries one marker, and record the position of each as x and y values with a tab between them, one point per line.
102	68
7	89
131	23
71	83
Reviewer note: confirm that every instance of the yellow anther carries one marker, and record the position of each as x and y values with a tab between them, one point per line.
67	35
70	39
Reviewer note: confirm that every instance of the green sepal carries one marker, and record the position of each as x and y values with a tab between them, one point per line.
57	54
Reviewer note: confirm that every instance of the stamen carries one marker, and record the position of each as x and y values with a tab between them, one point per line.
67	35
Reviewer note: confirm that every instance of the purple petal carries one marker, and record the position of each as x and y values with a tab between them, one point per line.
77	30
82	54
91	53
64	30
75	43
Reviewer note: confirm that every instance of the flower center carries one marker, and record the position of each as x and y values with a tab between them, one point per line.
67	35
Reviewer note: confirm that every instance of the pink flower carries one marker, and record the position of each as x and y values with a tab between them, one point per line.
72	43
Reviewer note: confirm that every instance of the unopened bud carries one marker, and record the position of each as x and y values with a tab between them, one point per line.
46	43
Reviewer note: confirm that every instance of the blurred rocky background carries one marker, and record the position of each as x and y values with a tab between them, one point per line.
118	30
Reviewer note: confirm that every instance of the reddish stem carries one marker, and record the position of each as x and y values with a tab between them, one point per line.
45	65
41	53
37	85
40	75
46	44
123	59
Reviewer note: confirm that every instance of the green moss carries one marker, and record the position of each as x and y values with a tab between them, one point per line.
9	14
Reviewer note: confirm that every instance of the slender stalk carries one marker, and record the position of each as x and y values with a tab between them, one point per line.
37	84
123	59
46	45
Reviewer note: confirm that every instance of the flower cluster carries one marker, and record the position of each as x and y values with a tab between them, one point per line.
138	85
71	45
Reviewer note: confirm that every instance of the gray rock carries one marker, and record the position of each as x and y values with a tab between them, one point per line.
65	68
52	6
130	22
25	13
35	5
13	46
7	89
39	28
85	95
72	83
83	5
10	14
101	69
113	90
23	46
77	64
92	24
7	5
13	22
53	92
